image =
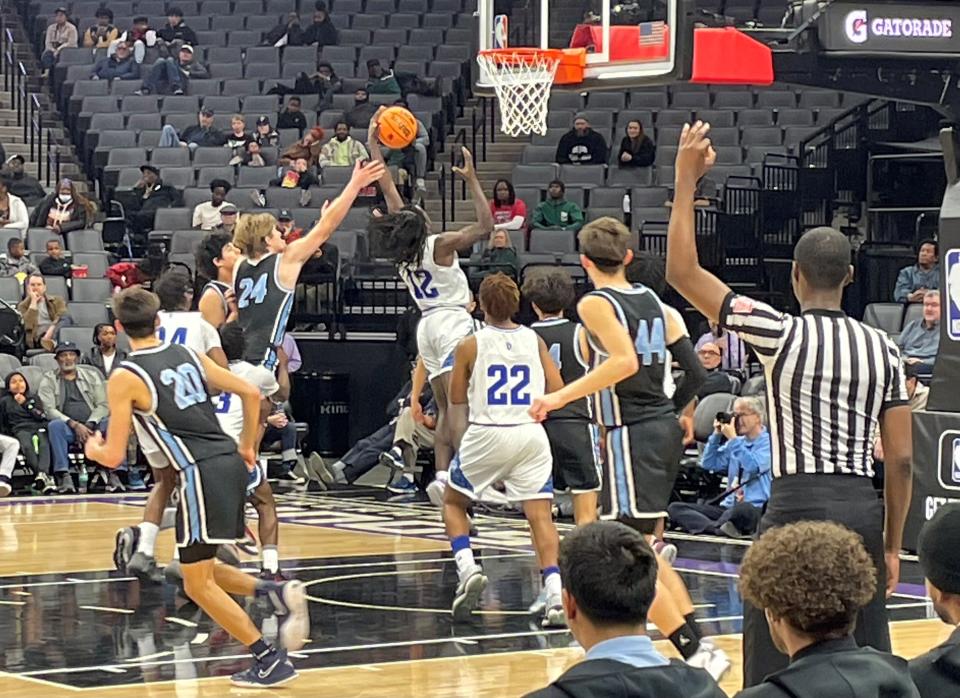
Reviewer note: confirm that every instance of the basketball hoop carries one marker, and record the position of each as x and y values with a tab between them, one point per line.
522	78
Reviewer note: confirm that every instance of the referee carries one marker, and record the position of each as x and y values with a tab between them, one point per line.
830	381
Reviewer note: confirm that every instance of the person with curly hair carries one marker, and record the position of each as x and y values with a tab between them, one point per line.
811	579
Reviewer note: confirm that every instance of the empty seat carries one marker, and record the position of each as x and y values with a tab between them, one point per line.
587	176
10	289
773	98
181	104
607	197
819	98
178	177
672	117
205	175
46	362
37	238
551	241
56	286
717	117
794	117
884	316
84	241
255	176
126	157
648	100
174	157
211	157
755	117
185	241
534	175
534	154
695	100
173	219
739	99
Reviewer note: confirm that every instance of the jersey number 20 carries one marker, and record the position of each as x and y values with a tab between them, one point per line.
187	385
252	292
499	394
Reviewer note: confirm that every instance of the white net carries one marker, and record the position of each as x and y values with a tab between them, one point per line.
522	81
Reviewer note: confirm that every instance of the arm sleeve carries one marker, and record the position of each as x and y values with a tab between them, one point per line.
693	372
563	151
902	289
538	219
576	213
715	455
197	218
647	154
754	459
756	323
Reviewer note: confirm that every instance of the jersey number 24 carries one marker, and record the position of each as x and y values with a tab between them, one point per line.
252	291
499	393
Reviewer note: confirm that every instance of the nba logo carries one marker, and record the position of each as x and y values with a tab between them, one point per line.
948	467
952	295
500	31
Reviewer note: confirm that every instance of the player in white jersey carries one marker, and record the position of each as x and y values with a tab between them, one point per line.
497	374
430	266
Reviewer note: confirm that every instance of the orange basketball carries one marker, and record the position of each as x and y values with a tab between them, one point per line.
398	127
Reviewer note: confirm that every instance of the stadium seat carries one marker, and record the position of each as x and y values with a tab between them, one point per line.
884	316
97	263
551	241
91	289
88	314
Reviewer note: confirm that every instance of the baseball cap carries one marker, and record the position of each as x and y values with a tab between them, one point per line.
16	157
61	9
285	215
65	347
263	120
187	47
150	168
229	209
207	111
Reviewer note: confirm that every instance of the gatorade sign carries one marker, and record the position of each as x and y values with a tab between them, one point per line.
890	27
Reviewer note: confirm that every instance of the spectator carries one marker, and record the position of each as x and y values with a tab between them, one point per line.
307	148
43	315
228	218
174	74
380	81
556	212
499	256
24	418
54	263
321	32
206	216
103	33
266	135
509	212
253	156
75	398
177	32
413	158
104	355
65	210
118	66
21	184
740	449
716	381
811	578
636	148
238	138
16	261
60	35
342	150
733	352
361	113
609	575
287	225
141	36
13	210
920	340
937	673
287	33
326	84
203	134
581	145
914	281
918	394
292	117
151	194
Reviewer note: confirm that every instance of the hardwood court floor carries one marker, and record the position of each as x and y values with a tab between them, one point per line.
380	580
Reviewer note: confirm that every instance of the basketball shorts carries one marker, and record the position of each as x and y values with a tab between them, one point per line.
519	456
575	445
641	463
212	497
438	333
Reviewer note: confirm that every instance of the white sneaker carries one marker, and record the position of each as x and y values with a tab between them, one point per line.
539	604
435	491
469	589
665	551
421	184
554	616
711	658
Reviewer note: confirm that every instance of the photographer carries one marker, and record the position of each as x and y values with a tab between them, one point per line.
739	446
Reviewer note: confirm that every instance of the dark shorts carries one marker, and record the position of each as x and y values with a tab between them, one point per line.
641	462
575	446
212	495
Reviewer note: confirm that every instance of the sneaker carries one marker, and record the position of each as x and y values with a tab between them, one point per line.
135	481
125	545
665	551
402	485
305	197
65	484
435	491
421	184
539	604
730	530
235	160
318	467
393	459
173	575
554	615
286	474
291	603
258	198
710	657
45	484
178	92
144	567
114	484
141	92
5	487
273	670
315	486
98	483
248	544
468	594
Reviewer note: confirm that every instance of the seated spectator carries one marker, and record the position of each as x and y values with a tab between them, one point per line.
918	394
16	261
43	315
307	148
287	225
118	66
287	33
253	156
141	36
509	212
203	134
22	184
104	355
556	212
380	81
206	216
174	74
60	34
266	135
636	148
54	263
238	138
326	84
75	399
937	673
363	110
499	256
581	145
228	218
103	33
740	449
13	210
733	352
65	210
413	158
811	579
342	150
609	575
177	33
914	281
321	32
716	381
920	340
24	418
150	194
298	174
292	117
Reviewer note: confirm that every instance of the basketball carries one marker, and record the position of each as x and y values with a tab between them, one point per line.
398	127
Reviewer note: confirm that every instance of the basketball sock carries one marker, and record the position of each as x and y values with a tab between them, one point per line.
148	538
685	640
176	552
271	560
551	580
261	650
462	554
692	623
337	470
442	476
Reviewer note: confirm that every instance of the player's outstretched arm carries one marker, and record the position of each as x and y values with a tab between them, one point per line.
600	319
223	380
387	185
704	290
124	390
448	244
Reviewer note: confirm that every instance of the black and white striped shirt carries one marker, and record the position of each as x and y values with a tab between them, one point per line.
829	378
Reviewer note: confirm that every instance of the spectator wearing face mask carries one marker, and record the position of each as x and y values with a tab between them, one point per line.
65	210
361	113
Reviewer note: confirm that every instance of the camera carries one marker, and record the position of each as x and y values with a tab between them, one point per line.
724	417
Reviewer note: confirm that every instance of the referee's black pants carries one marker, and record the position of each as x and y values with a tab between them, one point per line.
844	499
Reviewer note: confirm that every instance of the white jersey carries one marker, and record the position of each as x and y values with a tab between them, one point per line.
436	286
229	407
506	378
188	329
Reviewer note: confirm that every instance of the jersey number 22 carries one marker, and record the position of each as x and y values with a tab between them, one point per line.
499	394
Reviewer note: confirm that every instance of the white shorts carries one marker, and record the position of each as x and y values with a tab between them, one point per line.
518	455
438	333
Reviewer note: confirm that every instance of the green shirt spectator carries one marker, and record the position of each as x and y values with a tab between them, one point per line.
381	82
557	212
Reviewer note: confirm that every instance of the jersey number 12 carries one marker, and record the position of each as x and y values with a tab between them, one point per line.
420	281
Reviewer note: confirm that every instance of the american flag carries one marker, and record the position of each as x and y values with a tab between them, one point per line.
651	33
